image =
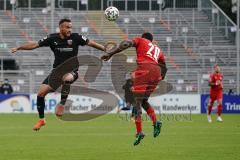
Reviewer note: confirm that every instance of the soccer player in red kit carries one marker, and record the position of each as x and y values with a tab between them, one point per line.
151	69
215	82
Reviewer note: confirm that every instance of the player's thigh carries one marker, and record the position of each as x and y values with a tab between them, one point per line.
52	81
139	81
152	85
153	78
211	100
219	97
44	89
143	77
213	95
219	101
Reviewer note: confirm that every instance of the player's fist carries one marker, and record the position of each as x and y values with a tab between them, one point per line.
218	82
106	57
109	46
13	50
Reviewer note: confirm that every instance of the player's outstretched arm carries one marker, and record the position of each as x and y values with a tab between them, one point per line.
210	83
27	46
122	46
96	45
164	69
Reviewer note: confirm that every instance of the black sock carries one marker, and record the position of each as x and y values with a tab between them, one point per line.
64	92
40	106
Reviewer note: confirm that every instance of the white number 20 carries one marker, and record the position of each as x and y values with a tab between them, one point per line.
154	54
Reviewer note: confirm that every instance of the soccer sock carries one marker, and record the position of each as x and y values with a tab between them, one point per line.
137	115
210	108
64	92
219	112
151	114
40	106
138	123
63	99
149	109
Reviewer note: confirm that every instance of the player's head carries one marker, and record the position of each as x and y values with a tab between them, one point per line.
6	80
217	68
148	36
65	27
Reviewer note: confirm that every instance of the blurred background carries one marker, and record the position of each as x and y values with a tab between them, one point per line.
194	35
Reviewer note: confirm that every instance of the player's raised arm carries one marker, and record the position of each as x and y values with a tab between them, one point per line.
27	46
210	81
122	46
96	45
164	69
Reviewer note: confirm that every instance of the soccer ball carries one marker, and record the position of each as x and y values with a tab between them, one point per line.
111	13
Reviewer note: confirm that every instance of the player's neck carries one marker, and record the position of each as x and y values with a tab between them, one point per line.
62	36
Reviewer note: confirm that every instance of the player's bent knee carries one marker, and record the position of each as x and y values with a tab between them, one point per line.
219	103
43	91
41	94
136	111
210	102
145	104
67	77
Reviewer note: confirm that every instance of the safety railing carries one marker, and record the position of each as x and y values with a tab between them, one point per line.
220	19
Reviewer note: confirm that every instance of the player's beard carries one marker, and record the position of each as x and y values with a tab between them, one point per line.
68	34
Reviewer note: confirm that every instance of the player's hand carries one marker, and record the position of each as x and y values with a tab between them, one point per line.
109	46
106	57
218	82
14	50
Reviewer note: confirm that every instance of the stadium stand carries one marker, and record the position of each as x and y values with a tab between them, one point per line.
191	42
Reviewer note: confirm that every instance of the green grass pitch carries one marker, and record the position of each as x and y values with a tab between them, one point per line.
111	138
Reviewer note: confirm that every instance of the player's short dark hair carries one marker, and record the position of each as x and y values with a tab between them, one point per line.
64	20
148	36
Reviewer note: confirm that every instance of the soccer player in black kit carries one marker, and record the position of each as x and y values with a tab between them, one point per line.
64	45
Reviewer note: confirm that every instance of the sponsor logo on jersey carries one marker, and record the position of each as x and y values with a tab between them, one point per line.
69	42
84	38
64	49
44	38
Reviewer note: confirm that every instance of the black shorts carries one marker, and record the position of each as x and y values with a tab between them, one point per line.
129	98
58	82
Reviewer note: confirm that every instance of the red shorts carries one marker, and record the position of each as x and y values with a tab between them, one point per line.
146	78
216	95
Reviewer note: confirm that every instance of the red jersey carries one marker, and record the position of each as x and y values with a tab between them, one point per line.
147	52
216	78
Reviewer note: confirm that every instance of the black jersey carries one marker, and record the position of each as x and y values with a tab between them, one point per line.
6	88
63	49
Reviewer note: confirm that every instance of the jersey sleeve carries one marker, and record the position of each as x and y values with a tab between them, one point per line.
161	57
211	78
82	40
45	42
136	41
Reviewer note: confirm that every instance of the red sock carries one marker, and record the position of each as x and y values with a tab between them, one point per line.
219	112
138	123
151	114
210	109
